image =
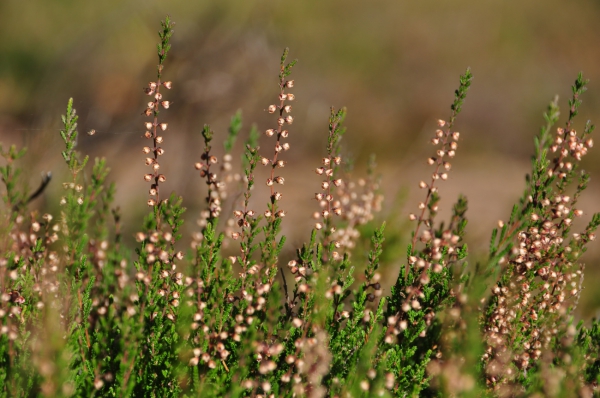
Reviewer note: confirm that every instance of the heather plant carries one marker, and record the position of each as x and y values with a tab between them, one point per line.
83	314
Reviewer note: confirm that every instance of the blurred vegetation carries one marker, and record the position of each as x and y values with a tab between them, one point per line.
393	64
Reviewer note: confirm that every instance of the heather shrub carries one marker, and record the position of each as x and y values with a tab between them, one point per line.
83	314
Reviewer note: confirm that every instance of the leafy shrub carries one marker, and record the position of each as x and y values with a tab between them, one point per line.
83	315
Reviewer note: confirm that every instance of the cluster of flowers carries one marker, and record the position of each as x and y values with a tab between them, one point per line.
438	252
152	130
544	279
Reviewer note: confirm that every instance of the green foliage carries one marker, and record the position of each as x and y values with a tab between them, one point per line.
235	126
81	314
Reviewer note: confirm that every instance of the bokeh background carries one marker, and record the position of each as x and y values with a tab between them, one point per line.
394	64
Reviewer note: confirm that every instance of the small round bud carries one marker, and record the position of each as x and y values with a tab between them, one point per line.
289	84
291	97
159	140
163	126
269	132
265	161
289	119
162	178
166	104
151	202
146	149
148	177
272	108
280	121
286	146
148	125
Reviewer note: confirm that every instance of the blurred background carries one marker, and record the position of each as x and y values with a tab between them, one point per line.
394	64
